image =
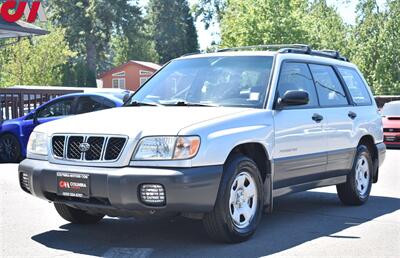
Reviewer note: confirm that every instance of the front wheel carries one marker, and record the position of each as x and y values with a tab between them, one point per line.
238	208
10	149
77	216
357	189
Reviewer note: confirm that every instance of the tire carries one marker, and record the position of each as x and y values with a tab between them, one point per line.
358	186
10	149
227	222
77	216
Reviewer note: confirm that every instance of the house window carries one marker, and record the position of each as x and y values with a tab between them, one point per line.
118	74
144	72
118	83
143	80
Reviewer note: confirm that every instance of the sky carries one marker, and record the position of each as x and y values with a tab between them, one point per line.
347	10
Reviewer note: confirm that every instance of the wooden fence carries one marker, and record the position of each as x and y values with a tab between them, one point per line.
16	102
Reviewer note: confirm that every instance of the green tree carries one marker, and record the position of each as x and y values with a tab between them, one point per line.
36	62
325	27
252	22
89	26
375	45
172	28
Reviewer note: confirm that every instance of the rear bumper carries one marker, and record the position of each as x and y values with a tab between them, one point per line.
116	189
381	147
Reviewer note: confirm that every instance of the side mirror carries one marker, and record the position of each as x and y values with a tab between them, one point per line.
293	98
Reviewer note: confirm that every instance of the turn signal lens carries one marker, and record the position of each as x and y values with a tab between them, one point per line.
186	147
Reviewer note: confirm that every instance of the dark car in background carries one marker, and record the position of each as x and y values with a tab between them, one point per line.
14	134
391	123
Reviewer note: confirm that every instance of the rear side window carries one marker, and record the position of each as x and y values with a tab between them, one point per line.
297	76
355	84
329	88
88	104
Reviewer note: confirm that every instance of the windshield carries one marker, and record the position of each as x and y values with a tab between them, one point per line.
211	81
391	109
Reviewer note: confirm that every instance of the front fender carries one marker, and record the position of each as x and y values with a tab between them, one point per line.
219	138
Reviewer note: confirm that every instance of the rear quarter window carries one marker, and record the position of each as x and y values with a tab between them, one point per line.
355	84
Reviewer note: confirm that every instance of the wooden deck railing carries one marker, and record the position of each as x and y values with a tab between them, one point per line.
16	102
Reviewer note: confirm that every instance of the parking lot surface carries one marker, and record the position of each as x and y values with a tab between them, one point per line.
309	224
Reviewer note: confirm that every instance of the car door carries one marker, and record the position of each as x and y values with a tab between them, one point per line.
53	110
300	143
340	117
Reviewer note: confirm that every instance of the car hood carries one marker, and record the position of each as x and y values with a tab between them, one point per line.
391	122
137	121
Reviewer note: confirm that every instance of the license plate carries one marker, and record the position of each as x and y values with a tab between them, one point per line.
73	185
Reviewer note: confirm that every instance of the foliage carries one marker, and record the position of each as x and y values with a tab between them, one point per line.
252	22
89	26
172	28
373	43
36	62
210	11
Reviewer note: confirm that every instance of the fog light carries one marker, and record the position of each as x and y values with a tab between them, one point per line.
152	194
24	182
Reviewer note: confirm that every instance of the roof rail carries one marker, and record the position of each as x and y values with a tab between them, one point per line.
301	47
292	48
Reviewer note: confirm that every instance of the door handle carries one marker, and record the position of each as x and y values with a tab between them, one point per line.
317	118
352	115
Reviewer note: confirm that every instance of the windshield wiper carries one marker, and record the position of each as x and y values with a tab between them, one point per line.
140	104
189	104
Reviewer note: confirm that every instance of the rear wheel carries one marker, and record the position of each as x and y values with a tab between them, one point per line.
77	216
10	149
357	189
238	208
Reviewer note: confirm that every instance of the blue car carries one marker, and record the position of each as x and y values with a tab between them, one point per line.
14	134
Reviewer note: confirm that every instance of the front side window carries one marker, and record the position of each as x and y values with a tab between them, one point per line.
355	84
58	108
88	104
329	89
224	81
297	77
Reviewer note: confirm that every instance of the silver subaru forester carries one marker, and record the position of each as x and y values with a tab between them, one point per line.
216	137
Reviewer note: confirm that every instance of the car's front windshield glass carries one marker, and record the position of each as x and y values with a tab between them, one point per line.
391	109
239	81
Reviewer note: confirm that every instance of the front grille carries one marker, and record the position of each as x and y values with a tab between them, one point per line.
88	148
114	148
73	151
58	143
391	130
96	148
391	139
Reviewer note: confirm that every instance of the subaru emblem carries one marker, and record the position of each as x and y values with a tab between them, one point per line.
84	146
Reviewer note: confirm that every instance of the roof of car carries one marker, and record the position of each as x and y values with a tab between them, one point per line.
293	51
292	56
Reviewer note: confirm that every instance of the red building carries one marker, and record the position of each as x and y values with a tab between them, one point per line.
129	76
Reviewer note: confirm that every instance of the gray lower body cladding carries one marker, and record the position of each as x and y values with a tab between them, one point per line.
115	190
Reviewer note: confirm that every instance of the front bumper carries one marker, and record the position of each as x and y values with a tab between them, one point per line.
116	189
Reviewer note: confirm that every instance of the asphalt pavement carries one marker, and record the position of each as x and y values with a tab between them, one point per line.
309	224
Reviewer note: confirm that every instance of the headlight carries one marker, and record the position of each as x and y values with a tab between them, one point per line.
37	144
167	148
